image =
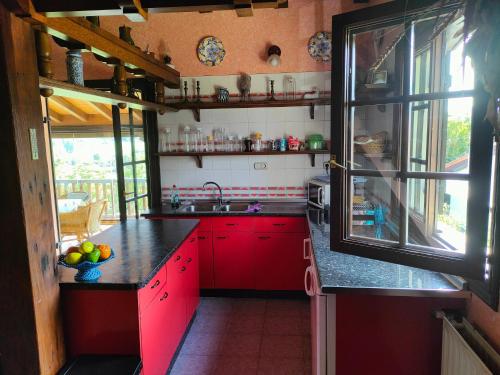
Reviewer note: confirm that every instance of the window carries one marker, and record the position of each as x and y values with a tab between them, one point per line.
407	127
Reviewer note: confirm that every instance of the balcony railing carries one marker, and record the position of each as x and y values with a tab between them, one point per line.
104	189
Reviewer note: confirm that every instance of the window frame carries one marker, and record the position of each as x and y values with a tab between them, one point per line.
472	263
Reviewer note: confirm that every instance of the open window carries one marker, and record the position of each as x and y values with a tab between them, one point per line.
407	127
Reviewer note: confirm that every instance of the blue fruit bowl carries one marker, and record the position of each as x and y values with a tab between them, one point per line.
87	271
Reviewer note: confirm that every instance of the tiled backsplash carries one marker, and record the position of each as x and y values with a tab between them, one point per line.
284	176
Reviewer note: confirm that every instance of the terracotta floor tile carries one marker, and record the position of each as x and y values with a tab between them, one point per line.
249	306
246	324
212	305
236	345
209	323
201	344
283	325
281	366
194	364
236	366
281	307
282	346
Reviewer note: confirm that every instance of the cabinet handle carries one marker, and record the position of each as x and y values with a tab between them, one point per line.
189	260
279	224
231	224
165	295
221	238
178	258
263	237
202	237
183	269
157	282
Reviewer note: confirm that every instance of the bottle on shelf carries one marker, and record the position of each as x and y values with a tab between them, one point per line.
174	198
162	141
168	140
199	139
210	144
186	138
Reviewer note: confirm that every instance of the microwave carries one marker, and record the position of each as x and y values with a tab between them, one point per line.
318	192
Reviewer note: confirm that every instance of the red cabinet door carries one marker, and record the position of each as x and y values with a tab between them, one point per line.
234	260
157	344
280	263
176	287
206	260
191	276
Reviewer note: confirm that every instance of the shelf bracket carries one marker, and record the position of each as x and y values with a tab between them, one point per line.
313	160
196	114
311	111
199	161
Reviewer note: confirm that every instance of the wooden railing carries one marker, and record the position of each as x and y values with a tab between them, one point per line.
103	189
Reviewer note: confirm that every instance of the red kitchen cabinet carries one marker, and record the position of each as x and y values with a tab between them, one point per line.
234	260
280	263
191	276
177	290
234	224
206	260
280	224
157	344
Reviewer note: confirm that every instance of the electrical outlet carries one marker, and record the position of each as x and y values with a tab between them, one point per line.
259	165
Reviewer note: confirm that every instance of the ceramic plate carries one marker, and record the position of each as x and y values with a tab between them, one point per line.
320	46
211	51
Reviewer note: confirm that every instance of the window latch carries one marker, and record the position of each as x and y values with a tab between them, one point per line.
334	164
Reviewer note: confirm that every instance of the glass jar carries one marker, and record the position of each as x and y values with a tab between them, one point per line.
187	139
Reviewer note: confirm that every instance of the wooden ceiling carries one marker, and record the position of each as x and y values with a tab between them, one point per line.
69	111
137	10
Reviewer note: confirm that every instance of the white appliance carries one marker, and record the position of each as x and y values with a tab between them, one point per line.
318	191
323	319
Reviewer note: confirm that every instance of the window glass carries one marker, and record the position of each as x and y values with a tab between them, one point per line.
374	208
439	64
439	220
377	68
440	134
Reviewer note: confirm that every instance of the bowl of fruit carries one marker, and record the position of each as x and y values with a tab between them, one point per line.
86	258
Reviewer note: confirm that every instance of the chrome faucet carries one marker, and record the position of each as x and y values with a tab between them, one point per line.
220	198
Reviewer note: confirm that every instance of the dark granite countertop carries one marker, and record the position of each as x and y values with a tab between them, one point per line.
345	273
269	208
141	248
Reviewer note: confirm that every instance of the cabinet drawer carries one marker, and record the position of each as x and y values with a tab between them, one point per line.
147	294
277	224
233	224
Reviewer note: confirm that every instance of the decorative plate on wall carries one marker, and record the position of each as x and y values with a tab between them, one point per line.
320	46
211	52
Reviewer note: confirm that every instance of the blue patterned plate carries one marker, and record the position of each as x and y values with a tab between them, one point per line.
211	52
320	46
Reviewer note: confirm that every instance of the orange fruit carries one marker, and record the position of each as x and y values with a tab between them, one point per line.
105	251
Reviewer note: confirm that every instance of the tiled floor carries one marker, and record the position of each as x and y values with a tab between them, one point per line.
240	336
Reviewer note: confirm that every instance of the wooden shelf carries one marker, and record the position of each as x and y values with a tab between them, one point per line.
199	155
92	95
197	106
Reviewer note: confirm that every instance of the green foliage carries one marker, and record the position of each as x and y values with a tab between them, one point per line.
458	138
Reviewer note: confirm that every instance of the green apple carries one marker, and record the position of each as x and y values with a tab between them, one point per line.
94	256
87	247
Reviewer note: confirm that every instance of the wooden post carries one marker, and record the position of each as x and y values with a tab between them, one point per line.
31	338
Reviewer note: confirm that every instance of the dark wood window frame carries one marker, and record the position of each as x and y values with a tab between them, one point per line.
471	264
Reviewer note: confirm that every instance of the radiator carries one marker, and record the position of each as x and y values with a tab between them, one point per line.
466	352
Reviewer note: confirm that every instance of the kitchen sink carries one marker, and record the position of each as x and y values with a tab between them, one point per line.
213	207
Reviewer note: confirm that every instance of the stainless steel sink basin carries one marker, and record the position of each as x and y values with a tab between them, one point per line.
213	207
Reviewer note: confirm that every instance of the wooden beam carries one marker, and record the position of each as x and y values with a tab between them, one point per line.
137	116
73	111
102	109
84	93
243	8
105	44
31	336
79	8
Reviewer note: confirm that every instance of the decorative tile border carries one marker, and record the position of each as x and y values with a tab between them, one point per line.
238	192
